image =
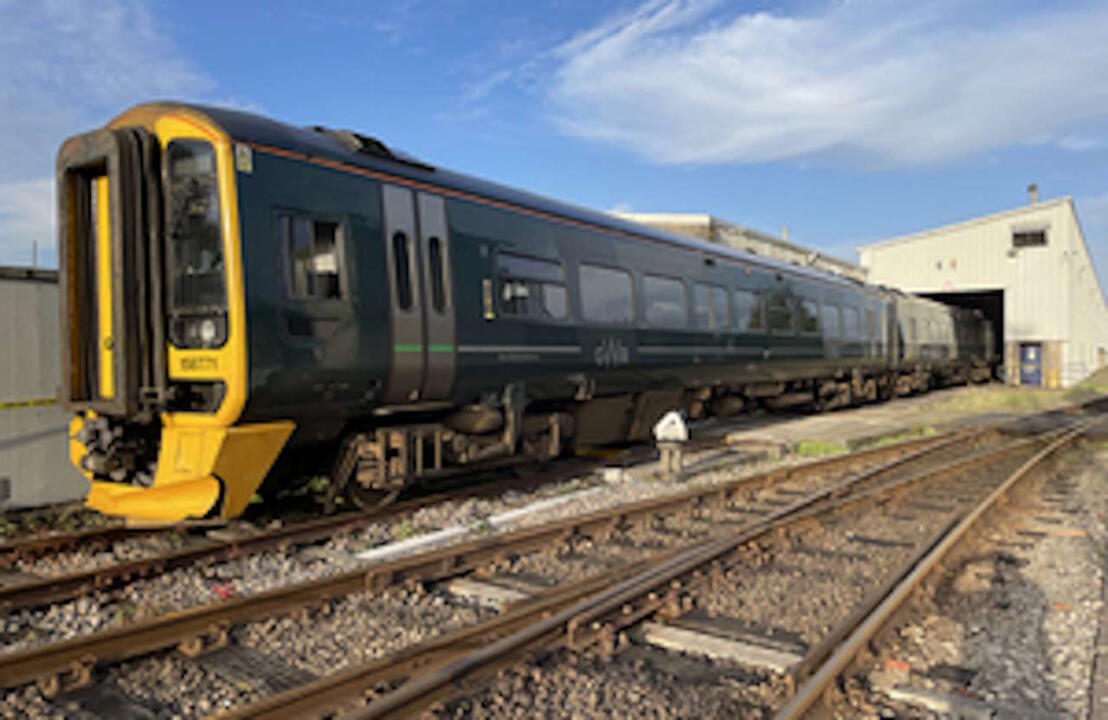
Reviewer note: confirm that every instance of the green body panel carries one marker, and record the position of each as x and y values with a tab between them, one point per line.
336	374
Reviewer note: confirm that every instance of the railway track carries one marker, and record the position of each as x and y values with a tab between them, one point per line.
821	668
225	543
594	611
59	667
21	590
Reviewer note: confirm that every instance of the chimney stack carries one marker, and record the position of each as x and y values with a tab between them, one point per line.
1033	193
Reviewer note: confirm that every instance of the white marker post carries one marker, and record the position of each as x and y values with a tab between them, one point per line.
670	434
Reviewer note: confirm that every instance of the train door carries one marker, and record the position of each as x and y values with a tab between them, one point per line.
421	310
434	245
1031	364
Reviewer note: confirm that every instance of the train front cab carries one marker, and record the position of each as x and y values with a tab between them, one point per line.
153	320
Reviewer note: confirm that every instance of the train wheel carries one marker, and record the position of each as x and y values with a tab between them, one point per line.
369	498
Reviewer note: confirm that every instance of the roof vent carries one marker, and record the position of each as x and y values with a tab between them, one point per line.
366	145
1033	193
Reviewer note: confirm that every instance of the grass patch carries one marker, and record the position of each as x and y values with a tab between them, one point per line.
404	530
483	528
819	448
1013	399
903	436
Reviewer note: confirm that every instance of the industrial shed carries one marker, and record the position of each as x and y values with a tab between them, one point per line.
714	229
34	448
1027	269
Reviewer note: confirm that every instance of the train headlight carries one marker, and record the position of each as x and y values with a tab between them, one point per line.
200	331
208	331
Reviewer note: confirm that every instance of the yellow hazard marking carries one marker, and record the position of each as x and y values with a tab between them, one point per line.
36	402
104	287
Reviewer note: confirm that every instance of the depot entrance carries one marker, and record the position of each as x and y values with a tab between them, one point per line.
989	302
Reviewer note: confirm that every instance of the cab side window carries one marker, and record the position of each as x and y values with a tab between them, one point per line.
313	257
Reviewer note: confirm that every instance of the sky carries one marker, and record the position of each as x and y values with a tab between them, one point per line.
848	121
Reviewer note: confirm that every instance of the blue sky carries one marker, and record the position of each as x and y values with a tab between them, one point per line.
848	121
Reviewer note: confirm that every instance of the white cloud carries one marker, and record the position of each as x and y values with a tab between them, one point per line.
69	66
894	83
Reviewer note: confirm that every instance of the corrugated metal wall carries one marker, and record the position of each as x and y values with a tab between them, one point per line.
34	460
1051	294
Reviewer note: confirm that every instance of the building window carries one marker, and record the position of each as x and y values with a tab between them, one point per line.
709	307
606	295
313	255
749	311
532	287
1028	238
665	302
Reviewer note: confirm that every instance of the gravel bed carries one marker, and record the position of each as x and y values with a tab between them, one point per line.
1018	612
322	640
190	586
359	628
65	517
635	682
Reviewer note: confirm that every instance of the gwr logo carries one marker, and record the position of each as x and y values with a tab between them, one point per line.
610	352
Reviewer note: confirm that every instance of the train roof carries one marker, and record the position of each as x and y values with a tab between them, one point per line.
361	151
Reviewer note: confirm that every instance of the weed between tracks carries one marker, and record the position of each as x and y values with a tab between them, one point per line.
819	448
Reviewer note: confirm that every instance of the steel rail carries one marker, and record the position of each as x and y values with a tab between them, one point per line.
581	623
70	662
52	589
862	626
575	608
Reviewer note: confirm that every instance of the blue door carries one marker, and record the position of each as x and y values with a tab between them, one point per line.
1031	364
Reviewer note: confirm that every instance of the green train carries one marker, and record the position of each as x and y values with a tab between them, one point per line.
246	303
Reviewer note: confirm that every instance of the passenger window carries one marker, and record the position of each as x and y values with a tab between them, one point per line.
851	329
781	315
832	325
664	299
721	309
313	253
809	317
871	324
606	295
707	313
438	284
702	306
749	311
402	268
532	287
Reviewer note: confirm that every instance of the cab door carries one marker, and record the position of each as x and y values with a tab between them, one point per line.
421	304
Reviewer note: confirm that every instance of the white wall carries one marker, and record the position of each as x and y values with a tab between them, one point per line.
1050	293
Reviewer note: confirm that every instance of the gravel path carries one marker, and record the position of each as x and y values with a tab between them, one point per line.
1014	621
